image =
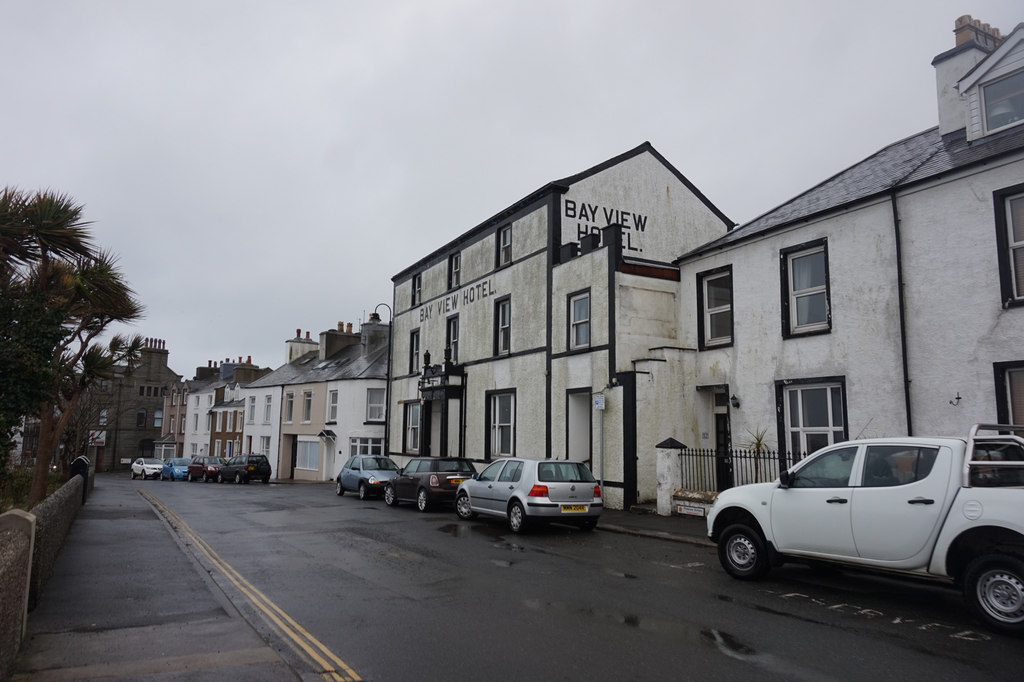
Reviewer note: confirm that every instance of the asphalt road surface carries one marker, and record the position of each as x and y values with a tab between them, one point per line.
380	593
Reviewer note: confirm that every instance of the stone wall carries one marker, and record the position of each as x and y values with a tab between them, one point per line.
15	564
54	517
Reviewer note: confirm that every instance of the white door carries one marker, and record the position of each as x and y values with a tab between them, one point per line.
813	514
896	512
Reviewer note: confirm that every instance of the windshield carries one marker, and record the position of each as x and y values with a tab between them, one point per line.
153	461
379	464
179	462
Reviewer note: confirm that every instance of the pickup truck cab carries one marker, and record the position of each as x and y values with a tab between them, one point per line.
942	508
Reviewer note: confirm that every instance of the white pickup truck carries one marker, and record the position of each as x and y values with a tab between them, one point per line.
927	507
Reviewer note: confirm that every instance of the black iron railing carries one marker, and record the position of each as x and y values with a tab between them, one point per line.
717	470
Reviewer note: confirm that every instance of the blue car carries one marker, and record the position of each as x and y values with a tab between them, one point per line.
175	468
366	474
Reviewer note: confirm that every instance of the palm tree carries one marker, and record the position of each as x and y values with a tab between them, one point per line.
47	253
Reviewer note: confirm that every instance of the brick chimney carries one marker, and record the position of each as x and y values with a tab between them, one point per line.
333	340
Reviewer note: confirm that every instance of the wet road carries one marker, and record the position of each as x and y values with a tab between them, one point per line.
395	594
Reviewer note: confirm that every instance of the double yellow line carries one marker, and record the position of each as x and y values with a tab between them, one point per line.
330	666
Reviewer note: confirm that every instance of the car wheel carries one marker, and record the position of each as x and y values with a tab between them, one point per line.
516	517
994	589
742	552
339	488
588	524
133	474
422	501
363	492
463	507
189	478
266	480
390	498
220	477
238	477
206	477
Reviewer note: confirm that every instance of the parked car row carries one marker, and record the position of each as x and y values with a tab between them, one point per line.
523	491
240	469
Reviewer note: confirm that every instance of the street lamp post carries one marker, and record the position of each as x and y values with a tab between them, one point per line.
387	386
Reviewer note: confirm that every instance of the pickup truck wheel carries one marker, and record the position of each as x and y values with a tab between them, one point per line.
994	589
742	552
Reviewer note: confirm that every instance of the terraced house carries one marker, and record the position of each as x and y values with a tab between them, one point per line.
613	310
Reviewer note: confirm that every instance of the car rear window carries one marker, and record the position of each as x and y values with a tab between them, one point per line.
460	465
563	472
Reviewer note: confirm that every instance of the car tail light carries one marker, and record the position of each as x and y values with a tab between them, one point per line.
433	480
597	491
539	491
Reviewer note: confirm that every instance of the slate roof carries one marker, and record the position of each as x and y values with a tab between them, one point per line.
915	159
348	363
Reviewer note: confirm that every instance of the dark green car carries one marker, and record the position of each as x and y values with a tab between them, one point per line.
245	468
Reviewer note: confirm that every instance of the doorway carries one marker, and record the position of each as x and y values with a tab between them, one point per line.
578	425
723	443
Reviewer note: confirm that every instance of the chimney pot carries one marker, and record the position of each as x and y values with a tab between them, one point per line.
349	328
298	333
307	335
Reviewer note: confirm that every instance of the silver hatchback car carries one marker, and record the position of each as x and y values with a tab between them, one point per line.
529	490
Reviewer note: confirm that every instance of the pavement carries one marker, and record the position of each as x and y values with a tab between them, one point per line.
99	615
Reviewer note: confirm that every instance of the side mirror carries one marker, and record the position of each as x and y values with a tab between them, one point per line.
785	478
475	476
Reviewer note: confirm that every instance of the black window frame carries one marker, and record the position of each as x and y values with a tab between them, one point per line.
1000	198
414	351
783	427
407	408
498	303
785	255
449	343
455	270
499	261
702	332
489	396
570	320
417	289
1001	371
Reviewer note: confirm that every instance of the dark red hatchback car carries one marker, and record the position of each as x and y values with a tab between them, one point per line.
204	468
428	481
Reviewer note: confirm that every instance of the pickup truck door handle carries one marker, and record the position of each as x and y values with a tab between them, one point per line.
836	500
920	500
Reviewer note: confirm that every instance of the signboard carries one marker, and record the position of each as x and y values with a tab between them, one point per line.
599	401
97	438
689	510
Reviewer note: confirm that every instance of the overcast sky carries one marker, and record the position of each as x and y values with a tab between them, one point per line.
262	166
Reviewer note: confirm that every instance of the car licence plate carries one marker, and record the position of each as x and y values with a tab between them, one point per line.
456	481
574	508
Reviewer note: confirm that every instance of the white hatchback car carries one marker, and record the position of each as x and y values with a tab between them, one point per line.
147	467
528	490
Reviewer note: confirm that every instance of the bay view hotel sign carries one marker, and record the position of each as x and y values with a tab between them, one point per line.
502	335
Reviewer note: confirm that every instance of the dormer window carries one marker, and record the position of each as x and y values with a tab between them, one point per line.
1004	102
